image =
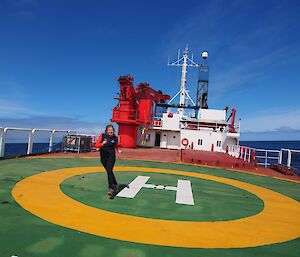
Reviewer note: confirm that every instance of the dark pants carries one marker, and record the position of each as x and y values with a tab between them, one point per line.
108	160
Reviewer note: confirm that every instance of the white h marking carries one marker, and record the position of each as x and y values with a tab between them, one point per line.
184	194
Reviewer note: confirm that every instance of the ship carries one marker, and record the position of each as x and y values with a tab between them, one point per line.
193	190
145	118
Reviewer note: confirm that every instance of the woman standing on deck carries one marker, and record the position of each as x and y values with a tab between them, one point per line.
108	142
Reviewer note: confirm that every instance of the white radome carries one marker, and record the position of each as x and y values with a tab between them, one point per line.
204	55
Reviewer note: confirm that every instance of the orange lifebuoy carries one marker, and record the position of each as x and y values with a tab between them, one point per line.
184	141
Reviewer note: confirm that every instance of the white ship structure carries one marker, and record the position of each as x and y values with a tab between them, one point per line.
192	125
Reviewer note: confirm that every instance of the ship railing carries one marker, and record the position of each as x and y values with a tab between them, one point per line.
31	135
262	157
197	126
236	128
214	126
267	157
233	150
290	154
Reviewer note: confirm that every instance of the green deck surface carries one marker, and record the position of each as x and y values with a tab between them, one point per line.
23	234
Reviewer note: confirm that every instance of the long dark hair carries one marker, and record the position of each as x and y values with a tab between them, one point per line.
109	126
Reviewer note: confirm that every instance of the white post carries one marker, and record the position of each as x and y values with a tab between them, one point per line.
51	141
183	82
289	158
249	156
280	157
266	158
78	145
30	141
2	142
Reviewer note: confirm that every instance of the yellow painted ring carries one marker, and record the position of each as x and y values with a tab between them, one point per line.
41	195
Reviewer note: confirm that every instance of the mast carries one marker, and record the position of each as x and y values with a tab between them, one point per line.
184	62
183	80
202	86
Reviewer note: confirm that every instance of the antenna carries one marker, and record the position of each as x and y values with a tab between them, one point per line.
202	87
184	61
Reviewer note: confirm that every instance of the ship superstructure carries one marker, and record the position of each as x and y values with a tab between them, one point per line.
146	117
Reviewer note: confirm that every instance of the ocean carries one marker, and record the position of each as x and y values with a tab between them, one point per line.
272	145
18	149
277	145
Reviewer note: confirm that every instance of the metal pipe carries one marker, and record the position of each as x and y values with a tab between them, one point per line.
2	142
51	141
249	156
266	159
280	157
18	129
79	145
30	142
289	158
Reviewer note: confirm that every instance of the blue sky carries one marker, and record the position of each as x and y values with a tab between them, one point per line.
59	60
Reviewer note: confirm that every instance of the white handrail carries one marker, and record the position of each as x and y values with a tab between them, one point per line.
245	154
3	132
2	142
290	153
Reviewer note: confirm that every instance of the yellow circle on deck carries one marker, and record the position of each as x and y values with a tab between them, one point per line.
41	195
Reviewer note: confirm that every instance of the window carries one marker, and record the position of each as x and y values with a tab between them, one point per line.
199	141
218	143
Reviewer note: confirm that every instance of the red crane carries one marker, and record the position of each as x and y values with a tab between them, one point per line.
232	116
136	108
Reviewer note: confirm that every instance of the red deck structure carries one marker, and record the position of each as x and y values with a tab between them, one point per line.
135	108
202	158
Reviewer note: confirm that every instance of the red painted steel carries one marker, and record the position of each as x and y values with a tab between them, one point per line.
136	108
127	135
232	116
203	158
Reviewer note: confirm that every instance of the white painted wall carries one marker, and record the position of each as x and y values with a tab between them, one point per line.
173	140
212	115
208	138
164	139
170	140
170	123
232	143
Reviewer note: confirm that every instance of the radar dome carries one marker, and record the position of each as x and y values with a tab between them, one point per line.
204	55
